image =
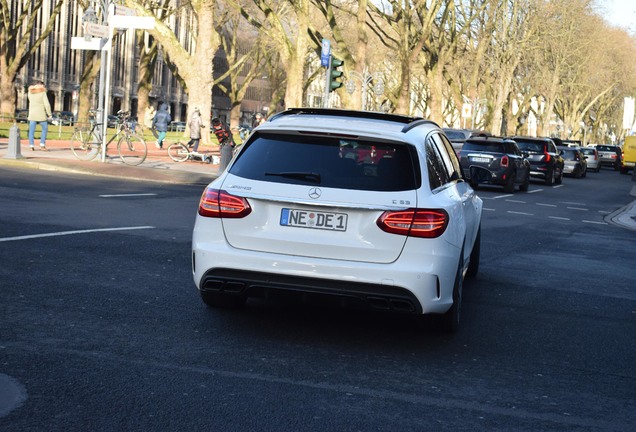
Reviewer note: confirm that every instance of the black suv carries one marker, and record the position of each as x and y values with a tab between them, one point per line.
504	163
545	161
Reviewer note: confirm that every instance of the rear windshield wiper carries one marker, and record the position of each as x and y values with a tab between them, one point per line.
309	176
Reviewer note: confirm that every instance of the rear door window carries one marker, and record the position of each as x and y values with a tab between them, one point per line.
335	162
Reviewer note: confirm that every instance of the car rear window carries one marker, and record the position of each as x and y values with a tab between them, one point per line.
333	162
492	147
587	151
530	146
570	155
456	135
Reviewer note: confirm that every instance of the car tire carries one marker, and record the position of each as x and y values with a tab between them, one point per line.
222	301
584	173
559	178
449	322
473	265
550	178
509	187
526	184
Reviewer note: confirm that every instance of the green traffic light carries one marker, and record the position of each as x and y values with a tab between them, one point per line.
335	74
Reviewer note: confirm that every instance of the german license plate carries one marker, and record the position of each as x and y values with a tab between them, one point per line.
313	219
480	159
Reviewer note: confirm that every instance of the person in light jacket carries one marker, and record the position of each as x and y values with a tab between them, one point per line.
39	112
196	123
160	122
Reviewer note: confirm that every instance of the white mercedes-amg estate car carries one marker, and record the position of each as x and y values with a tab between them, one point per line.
368	208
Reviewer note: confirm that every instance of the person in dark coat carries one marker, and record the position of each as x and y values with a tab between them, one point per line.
160	123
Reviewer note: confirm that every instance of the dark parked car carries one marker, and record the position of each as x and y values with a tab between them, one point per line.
458	137
505	164
62	118
177	126
545	161
575	162
610	155
112	121
21	115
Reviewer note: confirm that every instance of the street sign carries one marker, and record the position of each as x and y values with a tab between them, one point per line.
95	44
325	53
123	10
133	22
96	30
467	110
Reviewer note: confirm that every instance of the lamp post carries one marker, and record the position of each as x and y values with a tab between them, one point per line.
365	78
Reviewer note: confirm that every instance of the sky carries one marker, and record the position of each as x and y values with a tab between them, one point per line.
619	13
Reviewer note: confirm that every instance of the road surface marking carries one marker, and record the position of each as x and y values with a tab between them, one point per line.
546	205
559	218
127	195
594	222
63	233
520	213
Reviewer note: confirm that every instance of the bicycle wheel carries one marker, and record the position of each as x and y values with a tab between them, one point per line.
132	149
178	152
85	145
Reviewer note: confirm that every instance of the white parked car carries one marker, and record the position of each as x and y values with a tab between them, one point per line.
368	208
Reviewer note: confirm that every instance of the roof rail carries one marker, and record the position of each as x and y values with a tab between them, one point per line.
409	121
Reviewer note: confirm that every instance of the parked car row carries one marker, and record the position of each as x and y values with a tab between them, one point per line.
513	161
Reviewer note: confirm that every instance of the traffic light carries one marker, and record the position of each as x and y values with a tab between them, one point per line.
334	73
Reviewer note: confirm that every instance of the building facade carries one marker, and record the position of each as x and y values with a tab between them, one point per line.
60	66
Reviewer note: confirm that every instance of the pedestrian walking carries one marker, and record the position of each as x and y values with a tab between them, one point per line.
160	122
39	112
196	123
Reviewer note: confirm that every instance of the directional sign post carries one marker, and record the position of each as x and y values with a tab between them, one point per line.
119	17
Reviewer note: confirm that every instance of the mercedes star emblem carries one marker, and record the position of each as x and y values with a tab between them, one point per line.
314	193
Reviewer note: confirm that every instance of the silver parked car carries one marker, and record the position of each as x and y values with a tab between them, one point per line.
593	160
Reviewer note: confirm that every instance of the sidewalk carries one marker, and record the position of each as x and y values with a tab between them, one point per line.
157	166
160	168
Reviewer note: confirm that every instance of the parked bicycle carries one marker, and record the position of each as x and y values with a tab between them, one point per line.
180	152
86	142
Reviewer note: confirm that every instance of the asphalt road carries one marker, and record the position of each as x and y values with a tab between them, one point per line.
101	327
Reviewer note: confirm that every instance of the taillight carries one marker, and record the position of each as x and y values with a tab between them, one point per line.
220	204
547	156
504	161
414	222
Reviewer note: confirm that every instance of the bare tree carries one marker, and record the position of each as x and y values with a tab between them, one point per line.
243	65
194	67
21	34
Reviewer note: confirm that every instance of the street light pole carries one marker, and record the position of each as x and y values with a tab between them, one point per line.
365	78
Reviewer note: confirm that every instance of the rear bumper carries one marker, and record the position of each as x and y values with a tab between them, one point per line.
420	281
267	285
